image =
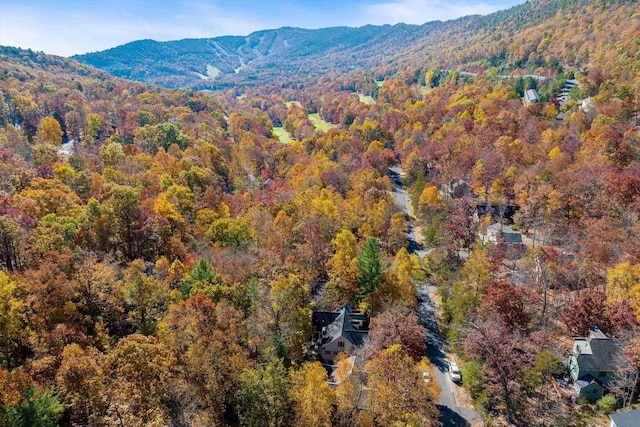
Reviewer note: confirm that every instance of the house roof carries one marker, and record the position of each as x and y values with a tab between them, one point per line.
626	419
587	380
321	319
508	235
344	322
602	357
597	352
356	337
531	95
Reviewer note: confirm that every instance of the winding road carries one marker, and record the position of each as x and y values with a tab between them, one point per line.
450	413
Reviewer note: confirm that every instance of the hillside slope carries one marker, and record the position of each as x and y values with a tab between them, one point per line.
192	61
548	34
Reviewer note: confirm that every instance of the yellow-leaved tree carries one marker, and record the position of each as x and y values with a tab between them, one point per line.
400	394
311	396
13	321
49	131
342	267
623	283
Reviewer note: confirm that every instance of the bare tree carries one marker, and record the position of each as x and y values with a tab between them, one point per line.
627	362
505	354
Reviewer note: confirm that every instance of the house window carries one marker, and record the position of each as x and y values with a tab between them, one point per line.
327	352
340	344
335	353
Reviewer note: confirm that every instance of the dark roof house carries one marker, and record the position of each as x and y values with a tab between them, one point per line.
339	330
592	364
501	234
497	212
499	231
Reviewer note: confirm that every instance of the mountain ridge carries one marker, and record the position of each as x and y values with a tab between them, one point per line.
228	54
508	39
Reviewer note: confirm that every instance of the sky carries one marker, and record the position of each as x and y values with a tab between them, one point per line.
68	27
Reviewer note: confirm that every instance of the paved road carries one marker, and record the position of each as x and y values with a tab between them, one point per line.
400	198
450	413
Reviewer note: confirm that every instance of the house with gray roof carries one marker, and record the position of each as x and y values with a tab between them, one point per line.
625	419
531	96
592	364
335	331
496	232
499	233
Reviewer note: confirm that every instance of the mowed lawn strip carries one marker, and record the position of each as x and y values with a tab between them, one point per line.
320	124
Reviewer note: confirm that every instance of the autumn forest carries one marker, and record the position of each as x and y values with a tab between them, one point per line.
163	251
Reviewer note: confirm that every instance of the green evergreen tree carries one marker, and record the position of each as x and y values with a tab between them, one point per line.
34	411
370	266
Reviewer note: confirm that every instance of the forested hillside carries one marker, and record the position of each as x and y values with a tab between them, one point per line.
539	36
162	251
257	58
180	229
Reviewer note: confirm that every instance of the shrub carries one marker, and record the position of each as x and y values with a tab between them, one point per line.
607	403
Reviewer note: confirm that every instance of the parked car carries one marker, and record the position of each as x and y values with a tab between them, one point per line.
454	372
426	376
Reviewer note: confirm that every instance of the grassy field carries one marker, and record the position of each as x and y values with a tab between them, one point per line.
320	124
379	83
290	103
282	135
366	99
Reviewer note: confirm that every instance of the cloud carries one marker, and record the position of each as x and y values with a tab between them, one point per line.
421	11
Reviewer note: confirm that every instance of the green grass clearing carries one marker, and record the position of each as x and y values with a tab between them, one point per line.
366	99
379	83
282	135
320	124
212	72
290	103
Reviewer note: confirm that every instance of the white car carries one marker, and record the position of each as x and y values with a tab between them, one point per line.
454	372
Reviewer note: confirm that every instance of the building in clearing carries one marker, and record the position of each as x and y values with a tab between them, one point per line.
335	331
531	96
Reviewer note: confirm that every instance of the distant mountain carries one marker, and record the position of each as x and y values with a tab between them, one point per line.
202	62
541	33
